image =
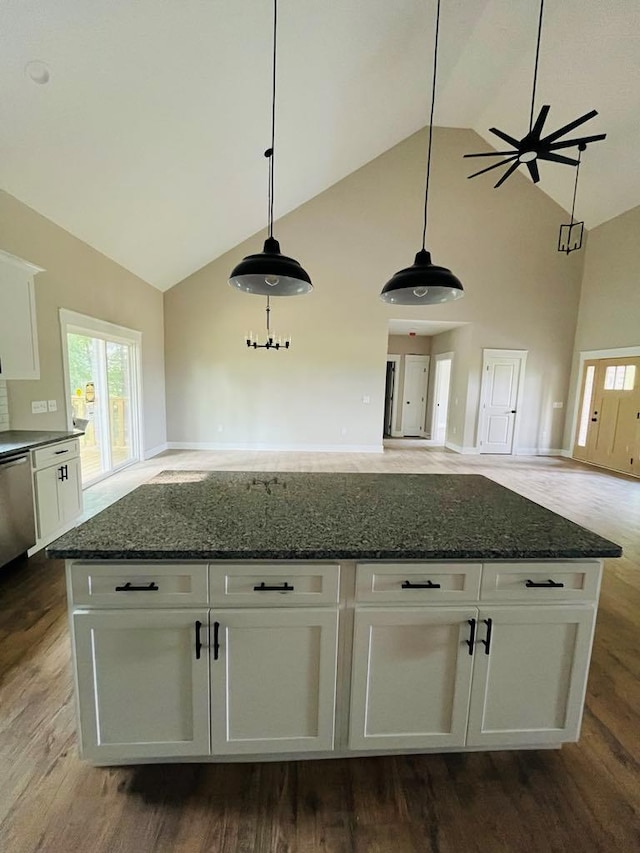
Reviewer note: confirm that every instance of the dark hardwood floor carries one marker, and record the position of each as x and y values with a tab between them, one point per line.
585	797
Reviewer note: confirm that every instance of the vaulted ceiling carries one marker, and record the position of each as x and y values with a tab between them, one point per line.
147	141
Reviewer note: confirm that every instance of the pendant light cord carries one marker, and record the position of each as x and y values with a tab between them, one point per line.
535	68
433	103
581	148
270	151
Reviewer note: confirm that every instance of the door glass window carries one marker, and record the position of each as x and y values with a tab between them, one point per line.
586	405
620	377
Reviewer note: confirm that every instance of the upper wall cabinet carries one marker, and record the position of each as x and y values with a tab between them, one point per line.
18	327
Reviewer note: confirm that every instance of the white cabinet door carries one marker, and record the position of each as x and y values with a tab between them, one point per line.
529	688
273	680
143	683
49	515
411	677
18	329
70	491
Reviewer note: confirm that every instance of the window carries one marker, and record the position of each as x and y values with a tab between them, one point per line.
586	406
620	377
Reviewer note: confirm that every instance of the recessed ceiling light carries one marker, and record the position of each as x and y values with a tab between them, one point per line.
38	72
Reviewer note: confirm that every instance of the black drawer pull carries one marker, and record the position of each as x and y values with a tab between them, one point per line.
262	587
129	587
427	585
487	640
472	635
58	452
198	641
544	585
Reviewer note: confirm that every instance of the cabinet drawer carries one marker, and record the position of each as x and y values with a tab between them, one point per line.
541	581
410	583
55	453
273	584
138	584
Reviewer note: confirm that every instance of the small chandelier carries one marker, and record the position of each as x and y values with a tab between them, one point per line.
424	283
270	273
570	236
272	341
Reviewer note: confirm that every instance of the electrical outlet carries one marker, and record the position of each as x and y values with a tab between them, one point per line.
38	407
558	405
53	405
366	399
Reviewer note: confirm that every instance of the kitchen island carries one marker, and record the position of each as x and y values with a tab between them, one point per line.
221	616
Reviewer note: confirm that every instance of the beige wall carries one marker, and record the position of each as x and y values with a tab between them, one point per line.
520	293
79	278
609	315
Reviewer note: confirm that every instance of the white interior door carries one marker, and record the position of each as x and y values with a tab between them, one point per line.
416	374
501	383
441	400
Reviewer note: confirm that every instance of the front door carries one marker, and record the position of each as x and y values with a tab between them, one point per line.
416	373
608	432
500	385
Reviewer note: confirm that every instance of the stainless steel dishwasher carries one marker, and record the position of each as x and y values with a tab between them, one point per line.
17	523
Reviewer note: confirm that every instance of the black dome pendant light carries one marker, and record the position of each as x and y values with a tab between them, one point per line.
270	273
424	283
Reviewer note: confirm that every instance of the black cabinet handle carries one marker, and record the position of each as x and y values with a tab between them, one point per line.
487	640
59	452
198	641
216	643
550	584
129	587
262	587
472	635
63	472
427	585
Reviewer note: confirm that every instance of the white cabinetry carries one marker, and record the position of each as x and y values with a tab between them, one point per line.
325	659
143	683
18	327
273	680
490	676
411	677
58	488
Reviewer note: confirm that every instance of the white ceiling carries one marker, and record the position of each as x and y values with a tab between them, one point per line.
147	142
425	328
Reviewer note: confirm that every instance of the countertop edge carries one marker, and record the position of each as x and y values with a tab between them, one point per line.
32	445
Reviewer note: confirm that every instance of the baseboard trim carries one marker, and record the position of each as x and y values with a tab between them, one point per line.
285	448
154	451
566	453
458	448
538	451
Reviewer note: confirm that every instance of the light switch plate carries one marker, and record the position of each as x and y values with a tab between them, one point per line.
38	407
53	405
558	405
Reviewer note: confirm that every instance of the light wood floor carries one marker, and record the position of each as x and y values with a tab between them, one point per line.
585	797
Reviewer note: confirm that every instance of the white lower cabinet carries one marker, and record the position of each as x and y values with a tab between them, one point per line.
529	688
411	677
58	488
273	680
415	684
143	683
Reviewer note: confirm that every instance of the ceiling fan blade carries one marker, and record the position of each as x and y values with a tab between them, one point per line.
561	132
505	136
557	158
536	130
532	166
494	166
509	172
569	143
491	154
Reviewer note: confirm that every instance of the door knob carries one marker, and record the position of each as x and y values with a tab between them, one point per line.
513	411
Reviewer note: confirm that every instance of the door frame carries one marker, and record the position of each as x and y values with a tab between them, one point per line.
412	359
397	360
441	356
488	354
72	321
589	355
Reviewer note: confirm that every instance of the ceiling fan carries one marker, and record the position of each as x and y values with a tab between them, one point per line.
533	146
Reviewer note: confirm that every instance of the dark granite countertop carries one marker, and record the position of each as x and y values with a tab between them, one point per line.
202	515
18	440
